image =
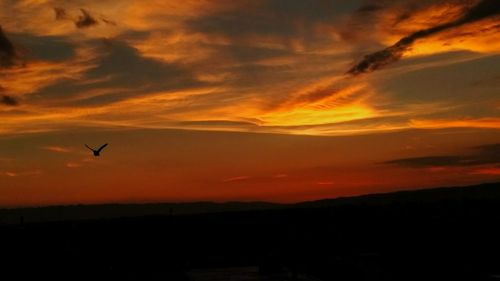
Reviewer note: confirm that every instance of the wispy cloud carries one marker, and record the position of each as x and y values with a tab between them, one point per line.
59	149
14	174
169	64
73	165
493	123
238	178
10	174
488	171
325	183
483	155
482	10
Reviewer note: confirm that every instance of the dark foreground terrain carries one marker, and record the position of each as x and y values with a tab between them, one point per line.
440	234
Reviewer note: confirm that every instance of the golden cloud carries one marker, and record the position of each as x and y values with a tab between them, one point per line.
493	123
29	77
257	81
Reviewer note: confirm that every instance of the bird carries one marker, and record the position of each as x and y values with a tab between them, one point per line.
97	152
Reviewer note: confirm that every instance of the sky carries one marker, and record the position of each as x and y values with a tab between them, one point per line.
250	100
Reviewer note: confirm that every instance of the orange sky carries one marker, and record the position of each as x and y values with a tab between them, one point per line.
276	100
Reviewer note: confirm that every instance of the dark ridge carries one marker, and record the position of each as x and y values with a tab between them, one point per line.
109	211
423	196
435	234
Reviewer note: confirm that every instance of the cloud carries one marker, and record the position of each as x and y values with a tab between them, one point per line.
85	20
10	174
273	66
488	171
7	50
239	178
483	9
483	155
73	165
127	74
8	100
369	8
60	14
37	74
493	123
108	21
219	125
13	174
325	183
58	149
428	161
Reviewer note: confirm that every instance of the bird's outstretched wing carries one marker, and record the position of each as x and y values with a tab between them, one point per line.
103	146
88	147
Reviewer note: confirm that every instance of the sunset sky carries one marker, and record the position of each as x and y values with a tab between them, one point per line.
274	100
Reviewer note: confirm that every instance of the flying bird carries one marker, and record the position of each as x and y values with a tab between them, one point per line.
97	151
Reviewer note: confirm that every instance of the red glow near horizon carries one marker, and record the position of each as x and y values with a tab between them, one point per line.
296	105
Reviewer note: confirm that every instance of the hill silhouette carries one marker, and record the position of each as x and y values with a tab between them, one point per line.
107	211
437	234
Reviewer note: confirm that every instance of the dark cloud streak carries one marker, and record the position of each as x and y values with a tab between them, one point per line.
8	100
377	60
484	155
369	8
60	14
7	50
108	21
428	161
85	20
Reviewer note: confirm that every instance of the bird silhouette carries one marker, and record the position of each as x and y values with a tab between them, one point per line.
97	152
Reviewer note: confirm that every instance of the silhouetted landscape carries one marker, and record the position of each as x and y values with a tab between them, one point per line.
435	234
207	140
